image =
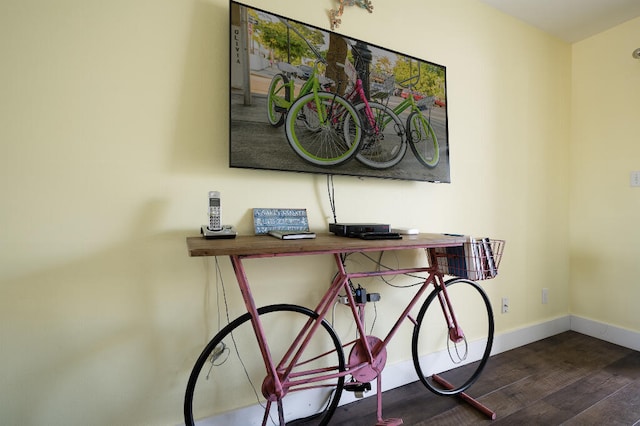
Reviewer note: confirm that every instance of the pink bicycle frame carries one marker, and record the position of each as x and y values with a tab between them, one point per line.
280	373
358	94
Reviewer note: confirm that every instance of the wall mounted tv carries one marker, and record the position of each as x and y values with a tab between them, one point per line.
305	99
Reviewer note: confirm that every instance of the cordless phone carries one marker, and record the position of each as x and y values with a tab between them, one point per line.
215	228
215	222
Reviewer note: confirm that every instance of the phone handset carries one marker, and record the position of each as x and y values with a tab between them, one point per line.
215	221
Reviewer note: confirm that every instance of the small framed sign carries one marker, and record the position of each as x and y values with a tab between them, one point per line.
265	220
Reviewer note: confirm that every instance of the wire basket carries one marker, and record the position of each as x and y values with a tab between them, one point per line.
387	88
426	102
287	68
478	259
350	71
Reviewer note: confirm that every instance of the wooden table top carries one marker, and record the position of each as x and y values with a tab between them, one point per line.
265	245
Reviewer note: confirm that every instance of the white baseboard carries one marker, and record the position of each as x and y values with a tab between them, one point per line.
609	333
529	334
402	373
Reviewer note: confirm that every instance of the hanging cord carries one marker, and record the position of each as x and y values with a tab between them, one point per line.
332	197
224	349
381	265
219	285
375	317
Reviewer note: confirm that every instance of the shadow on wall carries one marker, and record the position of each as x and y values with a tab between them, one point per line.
110	338
201	140
98	340
104	339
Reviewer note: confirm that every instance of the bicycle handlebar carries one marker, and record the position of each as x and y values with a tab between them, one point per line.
311	46
412	80
406	83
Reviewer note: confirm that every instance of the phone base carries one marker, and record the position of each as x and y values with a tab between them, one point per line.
227	231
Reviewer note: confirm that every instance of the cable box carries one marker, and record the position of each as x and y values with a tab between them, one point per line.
355	229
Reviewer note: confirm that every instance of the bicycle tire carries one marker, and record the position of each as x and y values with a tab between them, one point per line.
431	344
319	140
422	140
234	376
384	144
279	89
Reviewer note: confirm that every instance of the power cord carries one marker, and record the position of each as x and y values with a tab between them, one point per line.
332	197
222	348
382	265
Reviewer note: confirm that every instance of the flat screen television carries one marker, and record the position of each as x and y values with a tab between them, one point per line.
305	99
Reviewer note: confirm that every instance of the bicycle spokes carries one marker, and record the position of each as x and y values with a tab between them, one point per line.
231	373
383	141
422	140
323	129
453	336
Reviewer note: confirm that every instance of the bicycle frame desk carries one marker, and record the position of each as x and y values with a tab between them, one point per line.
247	247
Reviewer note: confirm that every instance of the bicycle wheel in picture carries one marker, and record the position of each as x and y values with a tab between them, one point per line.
420	135
322	128
385	137
383	143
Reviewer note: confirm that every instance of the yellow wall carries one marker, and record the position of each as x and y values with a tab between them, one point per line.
113	127
605	148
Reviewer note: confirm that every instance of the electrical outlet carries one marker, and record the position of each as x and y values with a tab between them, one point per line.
635	178
545	296
505	305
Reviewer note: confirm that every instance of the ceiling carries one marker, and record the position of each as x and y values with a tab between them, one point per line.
570	20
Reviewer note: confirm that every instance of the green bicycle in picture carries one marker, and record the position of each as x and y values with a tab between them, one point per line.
322	127
419	133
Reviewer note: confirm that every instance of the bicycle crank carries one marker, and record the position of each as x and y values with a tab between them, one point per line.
358	356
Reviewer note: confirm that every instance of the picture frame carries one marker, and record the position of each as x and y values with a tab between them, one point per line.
306	99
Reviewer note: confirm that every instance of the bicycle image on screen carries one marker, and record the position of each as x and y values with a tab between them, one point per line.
322	127
385	138
291	367
357	120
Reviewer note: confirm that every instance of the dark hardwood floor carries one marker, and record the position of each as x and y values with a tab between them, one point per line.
568	379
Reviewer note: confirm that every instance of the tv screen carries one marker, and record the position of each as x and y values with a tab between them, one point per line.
305	99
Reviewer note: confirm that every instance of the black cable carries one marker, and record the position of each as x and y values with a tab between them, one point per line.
381	265
233	339
332	197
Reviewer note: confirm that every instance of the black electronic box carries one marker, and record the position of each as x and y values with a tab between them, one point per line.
355	229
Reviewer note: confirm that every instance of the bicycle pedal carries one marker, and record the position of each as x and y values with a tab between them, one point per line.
357	387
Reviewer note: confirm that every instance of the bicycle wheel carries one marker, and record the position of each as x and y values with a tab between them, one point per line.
312	120
277	100
323	129
432	347
229	383
422	140
383	143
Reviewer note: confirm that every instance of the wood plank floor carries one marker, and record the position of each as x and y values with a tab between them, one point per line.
568	379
